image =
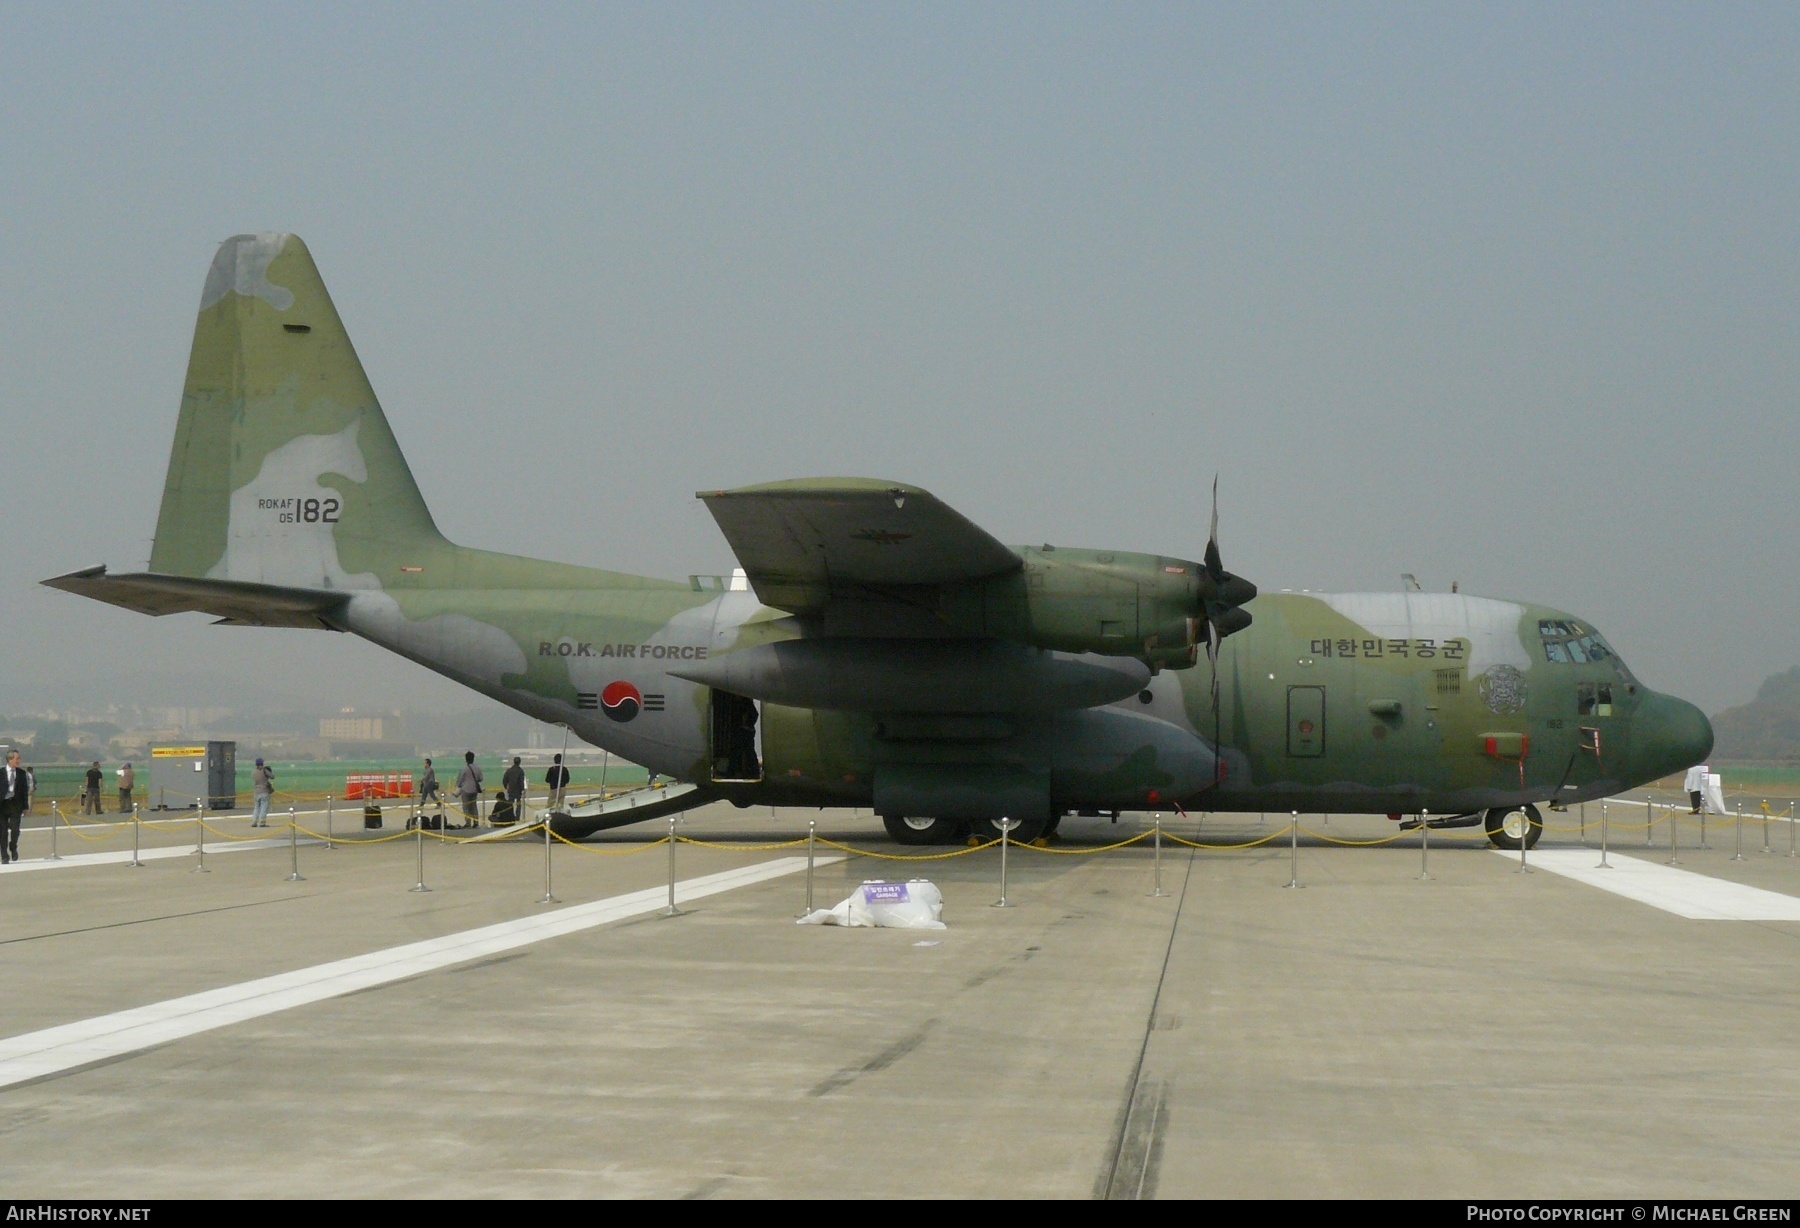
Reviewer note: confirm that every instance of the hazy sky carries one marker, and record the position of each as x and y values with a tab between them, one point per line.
1504	295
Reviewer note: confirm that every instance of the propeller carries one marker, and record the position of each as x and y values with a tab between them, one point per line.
1222	598
1222	595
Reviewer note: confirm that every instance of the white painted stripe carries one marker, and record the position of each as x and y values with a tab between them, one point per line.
1699	897
123	857
51	1050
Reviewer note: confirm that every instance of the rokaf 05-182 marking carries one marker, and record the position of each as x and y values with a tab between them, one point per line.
296	510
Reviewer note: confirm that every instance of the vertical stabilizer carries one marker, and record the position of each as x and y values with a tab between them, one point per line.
284	470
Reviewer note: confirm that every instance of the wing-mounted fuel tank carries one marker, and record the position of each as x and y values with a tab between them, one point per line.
912	675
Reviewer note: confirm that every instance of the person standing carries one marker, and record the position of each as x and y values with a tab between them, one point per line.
428	788
90	796
557	778
1695	782
262	785
127	782
15	799
468	790
513	781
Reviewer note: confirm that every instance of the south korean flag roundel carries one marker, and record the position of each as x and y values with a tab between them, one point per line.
621	701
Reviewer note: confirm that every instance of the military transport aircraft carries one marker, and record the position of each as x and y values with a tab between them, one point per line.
880	649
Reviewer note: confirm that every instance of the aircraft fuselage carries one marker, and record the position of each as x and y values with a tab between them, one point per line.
1363	702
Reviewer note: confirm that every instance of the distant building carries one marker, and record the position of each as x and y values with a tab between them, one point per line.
365	737
360	728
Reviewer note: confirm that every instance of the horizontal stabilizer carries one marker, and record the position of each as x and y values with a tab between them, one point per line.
232	601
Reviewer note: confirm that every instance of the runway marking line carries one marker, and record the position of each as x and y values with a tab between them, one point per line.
119	857
1698	897
87	1042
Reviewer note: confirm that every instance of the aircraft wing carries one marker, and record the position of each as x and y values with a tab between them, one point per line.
233	601
805	542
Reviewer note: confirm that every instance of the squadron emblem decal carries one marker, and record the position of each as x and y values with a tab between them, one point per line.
1503	689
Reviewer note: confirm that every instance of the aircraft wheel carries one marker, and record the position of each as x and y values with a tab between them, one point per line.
1505	825
1027	830
915	830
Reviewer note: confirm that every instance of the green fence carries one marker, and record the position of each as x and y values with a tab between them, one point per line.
317	778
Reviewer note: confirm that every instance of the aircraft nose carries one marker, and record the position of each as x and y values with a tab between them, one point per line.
1670	735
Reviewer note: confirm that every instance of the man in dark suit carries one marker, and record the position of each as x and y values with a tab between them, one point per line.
15	796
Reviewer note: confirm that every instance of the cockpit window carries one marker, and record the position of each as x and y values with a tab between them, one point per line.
1569	643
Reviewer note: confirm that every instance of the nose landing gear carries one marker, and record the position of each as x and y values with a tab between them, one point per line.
1507	825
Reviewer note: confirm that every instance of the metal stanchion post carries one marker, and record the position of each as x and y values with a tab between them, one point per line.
671	910
1158	860
812	833
1672	836
1424	844
1649	824
1524	839
1766	847
1703	843
136	836
1293	849
294	875
1791	826
1604	864
549	897
330	825
1739	854
1005	826
1583	821
200	838
55	822
419	847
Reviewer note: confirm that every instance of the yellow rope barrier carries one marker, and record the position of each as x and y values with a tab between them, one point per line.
100	830
1200	844
1388	839
740	848
76	831
974	848
612	850
1081	852
354	838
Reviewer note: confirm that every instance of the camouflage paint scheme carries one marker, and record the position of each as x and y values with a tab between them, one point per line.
288	502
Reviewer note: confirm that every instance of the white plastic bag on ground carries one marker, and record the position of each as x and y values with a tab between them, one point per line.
913	905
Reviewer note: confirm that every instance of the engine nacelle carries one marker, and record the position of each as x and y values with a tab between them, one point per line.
1101	601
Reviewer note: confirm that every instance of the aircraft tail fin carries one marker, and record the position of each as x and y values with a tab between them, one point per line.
284	471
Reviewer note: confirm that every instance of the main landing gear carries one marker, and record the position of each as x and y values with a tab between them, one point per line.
915	830
911	829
